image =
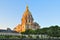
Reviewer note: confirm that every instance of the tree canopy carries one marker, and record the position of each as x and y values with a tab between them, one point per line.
53	31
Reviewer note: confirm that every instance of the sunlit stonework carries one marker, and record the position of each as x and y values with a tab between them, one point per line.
27	22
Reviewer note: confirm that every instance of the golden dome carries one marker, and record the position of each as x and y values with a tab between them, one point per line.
27	22
27	16
27	12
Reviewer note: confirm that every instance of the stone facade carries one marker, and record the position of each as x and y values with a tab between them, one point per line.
27	22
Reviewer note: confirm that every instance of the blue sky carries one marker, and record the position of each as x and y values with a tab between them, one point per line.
44	12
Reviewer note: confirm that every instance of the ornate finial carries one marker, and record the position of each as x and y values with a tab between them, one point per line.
27	8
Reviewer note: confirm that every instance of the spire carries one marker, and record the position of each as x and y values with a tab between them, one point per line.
27	12
27	8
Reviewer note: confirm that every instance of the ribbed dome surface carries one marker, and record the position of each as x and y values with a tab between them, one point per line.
27	12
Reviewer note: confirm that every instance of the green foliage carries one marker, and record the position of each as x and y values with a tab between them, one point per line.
28	32
9	36
37	37
29	36
53	31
